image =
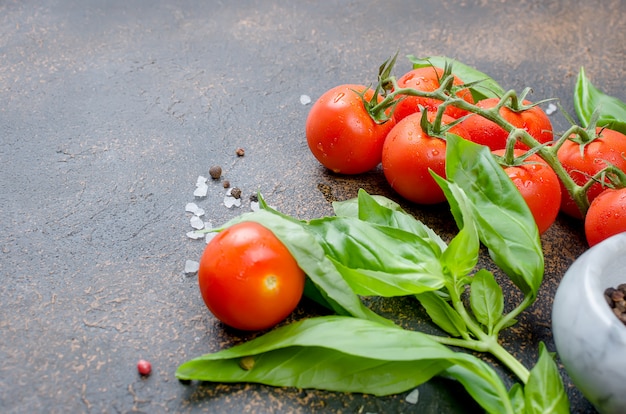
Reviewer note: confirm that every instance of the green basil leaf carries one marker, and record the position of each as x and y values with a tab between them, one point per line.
366	282
442	314
314	293
482	383
504	222
332	353
350	208
544	392
373	251
486	88
381	210
461	256
516	395
486	299
312	259
588	99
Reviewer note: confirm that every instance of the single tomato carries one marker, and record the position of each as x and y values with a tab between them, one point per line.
408	155
538	184
583	161
427	79
606	216
342	135
485	132
248	279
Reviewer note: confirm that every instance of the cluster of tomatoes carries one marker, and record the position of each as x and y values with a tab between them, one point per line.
345	138
250	281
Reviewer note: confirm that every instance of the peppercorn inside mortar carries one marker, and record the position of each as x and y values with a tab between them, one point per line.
616	298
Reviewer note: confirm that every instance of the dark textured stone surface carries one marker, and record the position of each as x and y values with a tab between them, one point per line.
110	110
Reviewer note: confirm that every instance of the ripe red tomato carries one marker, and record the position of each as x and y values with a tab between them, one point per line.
539	185
409	152
342	135
427	79
485	132
248	279
583	163
606	216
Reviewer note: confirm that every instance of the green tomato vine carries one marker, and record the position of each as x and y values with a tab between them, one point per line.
610	175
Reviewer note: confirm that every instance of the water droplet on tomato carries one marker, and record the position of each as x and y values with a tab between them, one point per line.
339	97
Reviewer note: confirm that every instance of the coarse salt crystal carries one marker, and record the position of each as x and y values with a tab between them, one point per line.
413	396
191	208
196	222
230	201
201	190
191	267
195	235
305	99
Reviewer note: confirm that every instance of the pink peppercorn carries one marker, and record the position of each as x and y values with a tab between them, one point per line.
144	367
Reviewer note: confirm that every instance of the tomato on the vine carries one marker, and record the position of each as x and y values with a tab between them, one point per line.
583	161
539	185
342	134
485	132
408	155
606	216
427	79
248	279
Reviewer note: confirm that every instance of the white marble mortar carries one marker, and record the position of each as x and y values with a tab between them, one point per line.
590	339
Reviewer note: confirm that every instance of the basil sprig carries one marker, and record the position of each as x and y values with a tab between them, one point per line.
372	247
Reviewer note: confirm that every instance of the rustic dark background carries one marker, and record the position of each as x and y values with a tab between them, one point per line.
110	110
